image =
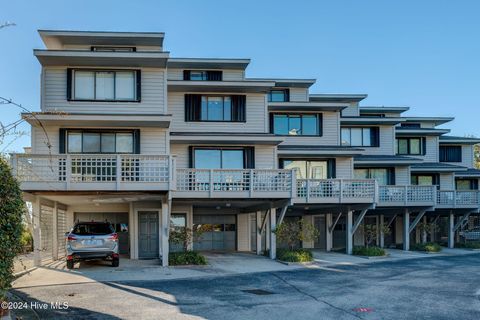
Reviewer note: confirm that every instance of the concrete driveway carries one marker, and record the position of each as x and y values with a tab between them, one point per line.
437	287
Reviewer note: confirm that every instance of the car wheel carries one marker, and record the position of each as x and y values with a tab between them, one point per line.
115	262
70	264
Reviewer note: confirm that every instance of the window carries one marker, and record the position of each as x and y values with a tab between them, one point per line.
424	179
279	96
450	154
215	108
410	125
105	85
113	49
384	176
223	158
466	184
178	220
360	137
297	124
202	75
410	146
100	142
310	169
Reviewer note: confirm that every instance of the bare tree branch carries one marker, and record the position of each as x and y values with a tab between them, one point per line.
7	24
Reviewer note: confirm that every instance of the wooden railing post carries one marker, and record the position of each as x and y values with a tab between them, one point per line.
293	181
340	196
118	171
405	194
172	173
68	170
210	183
308	190
250	183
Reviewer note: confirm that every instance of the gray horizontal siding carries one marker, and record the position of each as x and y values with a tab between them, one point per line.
447	181
351	111
402	176
344	168
298	94
387	142
54	95
432	147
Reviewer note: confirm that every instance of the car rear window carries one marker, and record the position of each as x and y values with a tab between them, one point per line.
88	229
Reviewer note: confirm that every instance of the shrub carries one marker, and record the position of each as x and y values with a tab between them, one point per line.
369	251
186	258
26	240
297	255
427	247
468	245
12	209
293	232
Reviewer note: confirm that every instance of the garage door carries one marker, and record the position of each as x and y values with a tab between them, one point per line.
220	232
119	220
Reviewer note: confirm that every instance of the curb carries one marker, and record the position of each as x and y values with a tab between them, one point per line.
24	272
295	263
375	257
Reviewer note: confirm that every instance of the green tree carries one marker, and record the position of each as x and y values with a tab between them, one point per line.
12	209
294	231
185	236
372	231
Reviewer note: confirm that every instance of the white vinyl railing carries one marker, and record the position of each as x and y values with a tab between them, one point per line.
458	198
234	180
91	168
336	190
407	195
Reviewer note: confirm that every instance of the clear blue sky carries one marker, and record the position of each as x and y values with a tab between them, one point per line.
421	54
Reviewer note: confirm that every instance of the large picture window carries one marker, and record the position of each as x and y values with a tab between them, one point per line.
279	96
100	141
423	179
223	158
466	184
360	137
410	146
450	154
215	108
310	169
297	124
384	176
104	85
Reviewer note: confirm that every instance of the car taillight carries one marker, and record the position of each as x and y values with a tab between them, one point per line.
71	238
113	237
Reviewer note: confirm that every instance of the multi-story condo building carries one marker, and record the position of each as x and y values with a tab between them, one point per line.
128	134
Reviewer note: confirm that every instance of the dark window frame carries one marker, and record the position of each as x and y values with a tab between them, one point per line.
374	136
473	183
319	117
113	49
286	95
446	156
423	147
223	107
208	75
135	137
71	84
331	164
390	173
435	178
238	105
410	125
248	155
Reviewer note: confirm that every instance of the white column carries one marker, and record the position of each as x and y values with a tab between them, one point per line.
36	207
131	232
424	231
349	232
406	231
451	231
273	237
382	235
55	231
328	233
166	206
258	224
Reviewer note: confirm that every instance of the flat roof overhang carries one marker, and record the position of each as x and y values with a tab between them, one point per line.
220	86
291	83
305	106
101	59
105	120
370	120
340	97
469	173
215	138
53	38
298	151
409	132
208	63
435	167
368	161
458	140
436	120
383	109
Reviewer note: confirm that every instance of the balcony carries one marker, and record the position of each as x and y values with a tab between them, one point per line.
458	199
92	172
406	196
335	191
234	183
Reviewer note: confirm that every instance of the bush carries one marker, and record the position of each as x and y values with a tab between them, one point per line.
369	251
296	255
186	258
468	245
12	209
427	247
26	241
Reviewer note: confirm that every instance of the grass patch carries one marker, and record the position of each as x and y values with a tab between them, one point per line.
369	252
468	245
297	255
186	258
427	247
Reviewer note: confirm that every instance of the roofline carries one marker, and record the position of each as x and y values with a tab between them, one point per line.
436	120
288	82
383	109
49	32
346	97
214	63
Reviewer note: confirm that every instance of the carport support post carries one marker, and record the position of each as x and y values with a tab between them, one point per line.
36	231
259	232
349	232
382	235
451	230
273	237
406	230
329	236
166	205
55	231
